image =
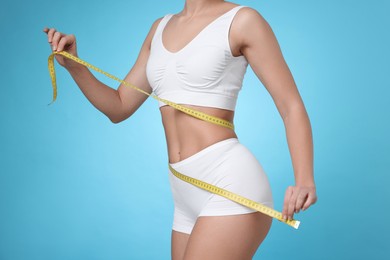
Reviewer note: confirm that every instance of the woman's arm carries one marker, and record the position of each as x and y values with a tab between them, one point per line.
258	44
118	104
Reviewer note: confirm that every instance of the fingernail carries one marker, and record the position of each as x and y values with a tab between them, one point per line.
284	217
54	48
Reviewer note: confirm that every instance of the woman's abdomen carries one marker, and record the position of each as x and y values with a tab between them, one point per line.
186	135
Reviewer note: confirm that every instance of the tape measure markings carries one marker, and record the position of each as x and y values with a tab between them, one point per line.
235	197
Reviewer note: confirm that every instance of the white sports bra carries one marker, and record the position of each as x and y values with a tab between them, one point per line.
202	73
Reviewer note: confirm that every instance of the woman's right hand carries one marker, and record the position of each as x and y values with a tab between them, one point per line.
62	42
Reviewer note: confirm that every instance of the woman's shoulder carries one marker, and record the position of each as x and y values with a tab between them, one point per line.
248	26
249	14
247	20
155	24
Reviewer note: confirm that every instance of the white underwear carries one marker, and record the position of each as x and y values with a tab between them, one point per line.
227	164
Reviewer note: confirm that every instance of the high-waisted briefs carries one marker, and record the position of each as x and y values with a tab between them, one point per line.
227	164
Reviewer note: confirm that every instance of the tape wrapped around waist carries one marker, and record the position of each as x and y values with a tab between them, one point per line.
192	112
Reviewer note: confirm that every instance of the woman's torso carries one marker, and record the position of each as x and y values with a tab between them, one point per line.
186	135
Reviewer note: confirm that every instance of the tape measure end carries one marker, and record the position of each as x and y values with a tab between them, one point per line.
51	102
296	224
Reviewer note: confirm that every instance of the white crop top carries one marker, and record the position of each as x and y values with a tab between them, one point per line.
202	73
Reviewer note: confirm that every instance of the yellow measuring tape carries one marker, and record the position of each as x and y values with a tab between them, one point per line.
235	197
189	111
197	114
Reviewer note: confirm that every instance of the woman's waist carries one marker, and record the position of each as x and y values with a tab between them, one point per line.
187	135
186	144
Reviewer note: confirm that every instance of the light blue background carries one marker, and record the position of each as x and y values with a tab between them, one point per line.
75	186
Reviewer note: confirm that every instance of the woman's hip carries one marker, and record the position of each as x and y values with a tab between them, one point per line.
227	164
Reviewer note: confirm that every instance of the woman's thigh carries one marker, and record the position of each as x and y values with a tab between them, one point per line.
227	237
178	244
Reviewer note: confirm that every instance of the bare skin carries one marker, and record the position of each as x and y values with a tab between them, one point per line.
217	237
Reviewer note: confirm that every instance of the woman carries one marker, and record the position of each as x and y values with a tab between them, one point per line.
198	58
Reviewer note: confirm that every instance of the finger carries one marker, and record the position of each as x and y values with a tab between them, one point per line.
45	29
287	197
56	38
50	34
62	43
312	198
66	40
300	201
291	205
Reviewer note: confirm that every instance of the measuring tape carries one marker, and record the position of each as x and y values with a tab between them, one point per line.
197	114
189	111
235	197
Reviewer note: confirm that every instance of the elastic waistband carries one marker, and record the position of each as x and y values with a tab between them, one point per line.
204	151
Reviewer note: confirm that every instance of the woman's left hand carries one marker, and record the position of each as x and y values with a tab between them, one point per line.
298	198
